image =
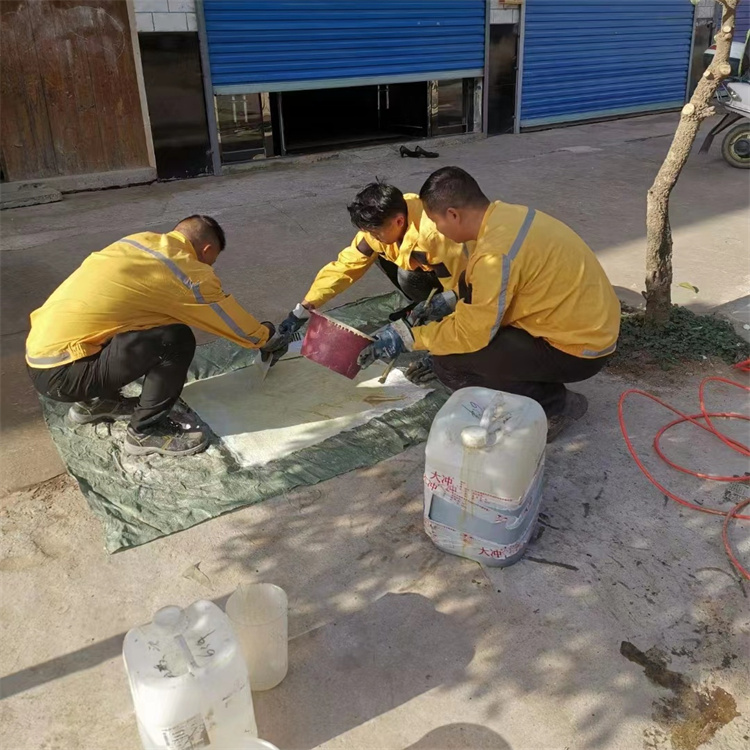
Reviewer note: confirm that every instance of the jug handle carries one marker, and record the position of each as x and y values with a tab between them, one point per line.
485	433
187	653
492	414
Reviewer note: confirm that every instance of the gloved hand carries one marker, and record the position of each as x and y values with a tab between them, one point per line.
389	342
295	320
403	313
440	306
421	372
277	344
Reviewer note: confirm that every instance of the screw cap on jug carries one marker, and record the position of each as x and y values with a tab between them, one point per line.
171	619
493	421
474	437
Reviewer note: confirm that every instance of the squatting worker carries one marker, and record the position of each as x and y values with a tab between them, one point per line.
535	309
395	234
124	314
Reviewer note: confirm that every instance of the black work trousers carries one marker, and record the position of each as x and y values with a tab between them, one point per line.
516	362
416	285
161	356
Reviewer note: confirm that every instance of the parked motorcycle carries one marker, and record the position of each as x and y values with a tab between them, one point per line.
734	102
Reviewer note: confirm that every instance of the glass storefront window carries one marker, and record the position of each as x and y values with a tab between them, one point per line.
240	124
305	121
451	117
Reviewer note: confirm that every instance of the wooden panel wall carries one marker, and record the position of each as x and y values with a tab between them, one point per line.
68	89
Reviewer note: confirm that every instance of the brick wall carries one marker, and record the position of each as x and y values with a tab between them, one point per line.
501	12
704	10
165	15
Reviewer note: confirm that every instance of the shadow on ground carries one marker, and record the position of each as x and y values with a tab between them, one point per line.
460	737
389	635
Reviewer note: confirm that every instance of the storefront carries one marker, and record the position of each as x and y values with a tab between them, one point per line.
591	59
301	76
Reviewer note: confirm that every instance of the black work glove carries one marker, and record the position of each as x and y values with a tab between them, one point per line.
403	313
295	320
388	342
421	372
277	344
440	306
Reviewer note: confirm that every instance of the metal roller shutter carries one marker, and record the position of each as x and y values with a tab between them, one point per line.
585	59
282	45
742	21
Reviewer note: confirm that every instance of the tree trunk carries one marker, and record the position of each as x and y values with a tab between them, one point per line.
658	230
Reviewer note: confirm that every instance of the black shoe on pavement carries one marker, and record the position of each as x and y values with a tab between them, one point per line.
576	405
408	152
102	409
427	154
167	438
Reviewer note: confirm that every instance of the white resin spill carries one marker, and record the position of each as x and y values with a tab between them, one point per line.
298	405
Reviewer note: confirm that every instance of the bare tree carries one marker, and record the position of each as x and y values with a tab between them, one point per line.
658	230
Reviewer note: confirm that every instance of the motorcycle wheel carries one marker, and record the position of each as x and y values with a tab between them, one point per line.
736	146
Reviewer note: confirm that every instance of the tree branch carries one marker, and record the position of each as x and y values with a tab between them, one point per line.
658	230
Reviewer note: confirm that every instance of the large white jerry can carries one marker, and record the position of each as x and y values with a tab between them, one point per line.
189	681
483	475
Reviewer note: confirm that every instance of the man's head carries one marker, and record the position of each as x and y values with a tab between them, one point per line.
205	235
381	210
454	201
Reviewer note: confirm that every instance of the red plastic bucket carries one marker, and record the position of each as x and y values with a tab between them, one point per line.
334	345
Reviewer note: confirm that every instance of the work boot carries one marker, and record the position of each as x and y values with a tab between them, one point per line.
576	405
102	409
167	438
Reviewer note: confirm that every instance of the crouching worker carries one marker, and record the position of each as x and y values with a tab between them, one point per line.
125	314
394	234
534	311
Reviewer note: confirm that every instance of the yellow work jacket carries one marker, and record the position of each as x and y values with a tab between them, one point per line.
533	272
422	247
140	282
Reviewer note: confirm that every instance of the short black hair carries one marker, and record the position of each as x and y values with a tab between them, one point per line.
375	204
203	229
452	187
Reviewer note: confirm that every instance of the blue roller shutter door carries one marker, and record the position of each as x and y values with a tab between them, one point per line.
281	45
586	59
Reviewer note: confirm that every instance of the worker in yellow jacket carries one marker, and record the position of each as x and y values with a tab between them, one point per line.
125	314
394	234
534	309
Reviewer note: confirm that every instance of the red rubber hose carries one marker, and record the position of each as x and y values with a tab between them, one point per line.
725	537
710	427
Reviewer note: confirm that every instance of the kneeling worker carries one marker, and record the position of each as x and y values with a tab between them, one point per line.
125	314
535	309
395	233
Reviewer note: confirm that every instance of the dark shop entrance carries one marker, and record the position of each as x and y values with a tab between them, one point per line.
323	119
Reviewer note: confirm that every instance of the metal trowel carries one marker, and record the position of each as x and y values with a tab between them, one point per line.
262	364
258	370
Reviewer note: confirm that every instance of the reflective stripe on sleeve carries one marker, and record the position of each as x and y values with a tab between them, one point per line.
58	359
593	354
507	260
195	289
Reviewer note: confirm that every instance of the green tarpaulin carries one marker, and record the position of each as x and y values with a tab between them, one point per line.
139	499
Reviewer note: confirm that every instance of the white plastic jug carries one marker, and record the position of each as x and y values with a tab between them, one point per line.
189	681
258	613
483	475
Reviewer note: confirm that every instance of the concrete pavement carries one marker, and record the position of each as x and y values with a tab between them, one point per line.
285	221
395	645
